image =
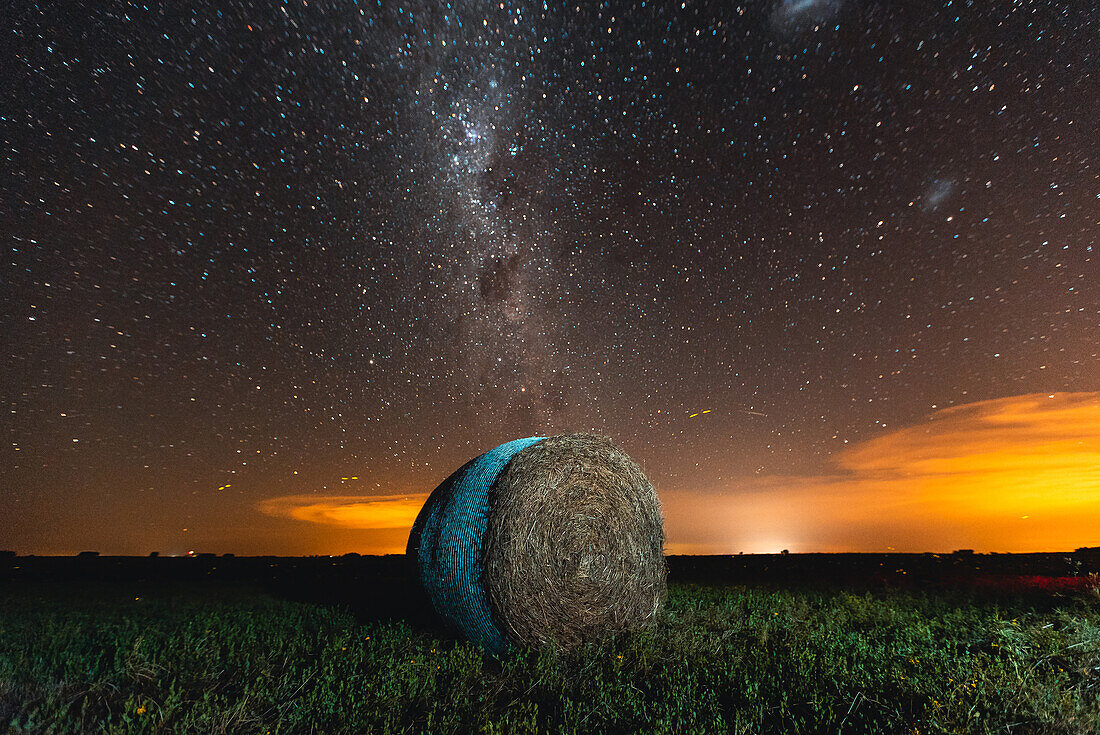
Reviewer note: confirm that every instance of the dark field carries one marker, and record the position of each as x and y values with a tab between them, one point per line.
777	644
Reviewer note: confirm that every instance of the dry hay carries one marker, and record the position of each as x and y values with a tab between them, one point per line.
556	540
573	549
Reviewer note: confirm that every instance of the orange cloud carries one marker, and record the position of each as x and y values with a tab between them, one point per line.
1012	474
359	512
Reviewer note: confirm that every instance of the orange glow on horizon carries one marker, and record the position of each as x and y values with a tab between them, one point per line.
1012	474
358	512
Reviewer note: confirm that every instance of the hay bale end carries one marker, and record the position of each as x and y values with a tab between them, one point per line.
543	540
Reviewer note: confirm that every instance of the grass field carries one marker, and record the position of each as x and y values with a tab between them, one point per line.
730	659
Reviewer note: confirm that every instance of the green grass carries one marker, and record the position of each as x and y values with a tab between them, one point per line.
722	660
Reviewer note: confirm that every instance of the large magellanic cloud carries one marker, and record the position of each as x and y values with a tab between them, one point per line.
792	16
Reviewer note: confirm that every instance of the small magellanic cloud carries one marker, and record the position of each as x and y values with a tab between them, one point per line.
375	512
1014	474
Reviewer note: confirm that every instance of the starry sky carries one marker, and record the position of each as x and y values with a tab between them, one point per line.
826	268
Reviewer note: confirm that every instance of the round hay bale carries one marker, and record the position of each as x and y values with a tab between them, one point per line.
556	540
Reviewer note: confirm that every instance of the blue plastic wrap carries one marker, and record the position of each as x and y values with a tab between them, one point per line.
446	543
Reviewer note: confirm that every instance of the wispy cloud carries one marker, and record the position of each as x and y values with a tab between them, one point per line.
348	511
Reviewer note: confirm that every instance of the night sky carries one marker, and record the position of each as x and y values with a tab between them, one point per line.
827	269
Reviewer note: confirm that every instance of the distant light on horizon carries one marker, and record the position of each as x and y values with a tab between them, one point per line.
1013	474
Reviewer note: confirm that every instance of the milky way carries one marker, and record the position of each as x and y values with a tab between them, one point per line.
489	242
268	250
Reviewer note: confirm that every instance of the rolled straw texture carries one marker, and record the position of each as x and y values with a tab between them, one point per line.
541	541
